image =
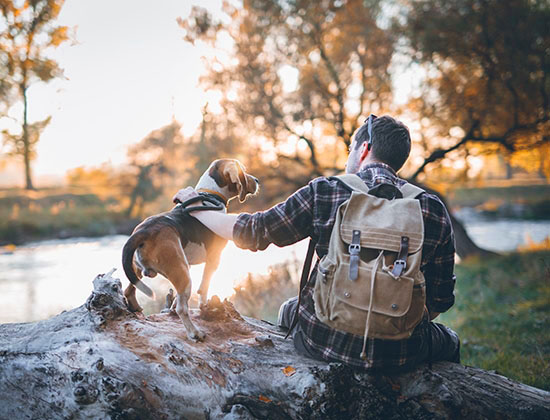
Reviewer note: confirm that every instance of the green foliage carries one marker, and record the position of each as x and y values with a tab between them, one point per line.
488	66
27	31
17	144
502	313
297	78
152	159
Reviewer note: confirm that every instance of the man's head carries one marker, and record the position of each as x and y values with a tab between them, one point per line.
391	144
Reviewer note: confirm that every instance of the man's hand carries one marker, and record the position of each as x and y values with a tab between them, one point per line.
184	194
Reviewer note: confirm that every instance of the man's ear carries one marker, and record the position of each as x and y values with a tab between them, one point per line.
364	151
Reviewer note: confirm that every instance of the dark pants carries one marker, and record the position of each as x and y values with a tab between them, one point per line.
286	313
444	341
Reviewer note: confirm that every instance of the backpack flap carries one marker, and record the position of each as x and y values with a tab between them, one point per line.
382	223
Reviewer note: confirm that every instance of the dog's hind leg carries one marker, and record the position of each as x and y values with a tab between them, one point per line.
130	293
182	309
176	270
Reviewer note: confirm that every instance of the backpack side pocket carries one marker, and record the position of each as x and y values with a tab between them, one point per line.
322	289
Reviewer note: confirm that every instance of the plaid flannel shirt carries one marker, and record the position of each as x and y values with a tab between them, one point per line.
311	212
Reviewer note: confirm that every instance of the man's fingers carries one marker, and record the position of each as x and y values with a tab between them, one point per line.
184	195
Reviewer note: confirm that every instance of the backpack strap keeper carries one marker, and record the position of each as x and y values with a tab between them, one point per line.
400	262
354	250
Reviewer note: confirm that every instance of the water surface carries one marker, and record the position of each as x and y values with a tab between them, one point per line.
41	279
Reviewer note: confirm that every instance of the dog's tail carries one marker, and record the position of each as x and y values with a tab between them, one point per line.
127	262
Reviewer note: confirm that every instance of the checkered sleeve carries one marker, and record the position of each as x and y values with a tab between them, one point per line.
284	224
438	254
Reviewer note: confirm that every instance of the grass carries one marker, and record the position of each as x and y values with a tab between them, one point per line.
502	314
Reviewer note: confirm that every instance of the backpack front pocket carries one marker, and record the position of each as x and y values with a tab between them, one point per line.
349	302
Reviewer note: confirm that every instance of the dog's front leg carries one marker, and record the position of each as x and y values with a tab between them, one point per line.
211	265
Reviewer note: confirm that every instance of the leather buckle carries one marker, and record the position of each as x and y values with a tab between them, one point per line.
354	249
398	268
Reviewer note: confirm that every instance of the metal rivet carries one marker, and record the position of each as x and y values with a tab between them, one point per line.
347	294
394	306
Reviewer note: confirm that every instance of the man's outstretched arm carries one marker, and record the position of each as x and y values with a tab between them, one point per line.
218	222
284	224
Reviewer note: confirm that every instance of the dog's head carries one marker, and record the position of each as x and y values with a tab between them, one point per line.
232	179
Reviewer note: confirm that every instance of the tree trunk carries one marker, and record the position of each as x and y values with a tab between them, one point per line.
26	142
101	361
465	246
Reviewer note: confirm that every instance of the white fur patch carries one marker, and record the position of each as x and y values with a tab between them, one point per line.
195	253
207	182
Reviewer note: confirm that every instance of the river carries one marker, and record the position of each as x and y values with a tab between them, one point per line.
41	279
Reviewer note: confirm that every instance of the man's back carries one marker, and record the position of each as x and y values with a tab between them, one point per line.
311	211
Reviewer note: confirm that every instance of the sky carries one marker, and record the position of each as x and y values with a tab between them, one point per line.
128	72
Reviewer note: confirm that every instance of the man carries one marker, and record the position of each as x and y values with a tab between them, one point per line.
311	212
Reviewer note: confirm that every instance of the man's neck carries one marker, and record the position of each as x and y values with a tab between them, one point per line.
373	162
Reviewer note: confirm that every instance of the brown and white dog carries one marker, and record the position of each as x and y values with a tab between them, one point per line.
168	243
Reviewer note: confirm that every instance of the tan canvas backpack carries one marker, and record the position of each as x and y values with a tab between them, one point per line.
370	283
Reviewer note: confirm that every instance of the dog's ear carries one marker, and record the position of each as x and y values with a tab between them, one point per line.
243	183
250	186
234	175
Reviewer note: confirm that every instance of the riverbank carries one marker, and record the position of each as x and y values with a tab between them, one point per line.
522	202
59	214
68	212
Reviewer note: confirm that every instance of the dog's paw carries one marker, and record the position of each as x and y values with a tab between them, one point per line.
203	301
134	307
196	335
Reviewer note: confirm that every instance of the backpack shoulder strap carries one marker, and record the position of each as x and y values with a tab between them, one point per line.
353	182
411	191
303	280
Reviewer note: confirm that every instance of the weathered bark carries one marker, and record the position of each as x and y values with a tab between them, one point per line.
101	361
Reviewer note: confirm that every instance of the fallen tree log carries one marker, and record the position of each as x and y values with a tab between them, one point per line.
101	361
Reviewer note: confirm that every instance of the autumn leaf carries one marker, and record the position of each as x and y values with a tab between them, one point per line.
289	371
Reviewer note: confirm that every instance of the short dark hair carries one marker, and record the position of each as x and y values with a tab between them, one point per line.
391	141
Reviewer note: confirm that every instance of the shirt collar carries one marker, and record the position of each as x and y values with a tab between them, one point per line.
378	165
